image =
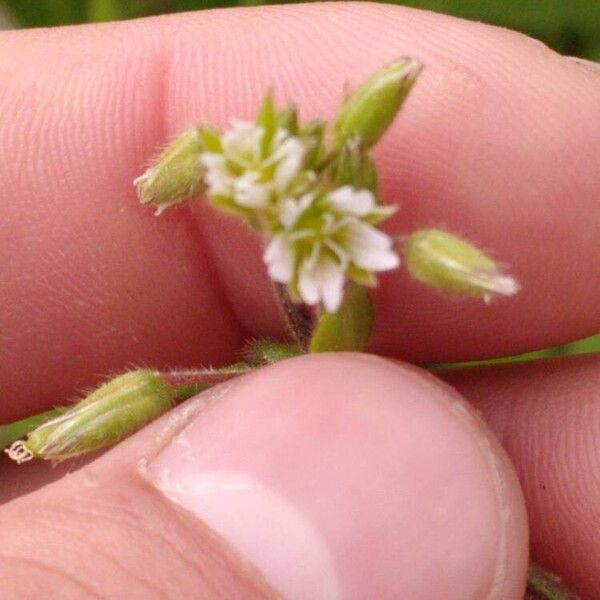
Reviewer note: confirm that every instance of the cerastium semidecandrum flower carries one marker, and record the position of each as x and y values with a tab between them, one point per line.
312	195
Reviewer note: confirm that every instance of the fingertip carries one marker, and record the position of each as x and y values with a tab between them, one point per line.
370	478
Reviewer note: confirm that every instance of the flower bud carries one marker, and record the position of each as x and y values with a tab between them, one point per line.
452	265
176	175
369	110
115	410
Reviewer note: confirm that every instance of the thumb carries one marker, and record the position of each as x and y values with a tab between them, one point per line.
330	476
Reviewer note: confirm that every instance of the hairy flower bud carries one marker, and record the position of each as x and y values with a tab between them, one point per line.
450	264
176	175
370	109
110	413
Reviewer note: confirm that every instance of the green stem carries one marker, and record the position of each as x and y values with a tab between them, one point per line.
11	432
188	382
543	585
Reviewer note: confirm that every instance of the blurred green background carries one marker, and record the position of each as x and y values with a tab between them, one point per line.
569	26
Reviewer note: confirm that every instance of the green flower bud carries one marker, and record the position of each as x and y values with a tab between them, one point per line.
116	409
452	265
176	175
369	110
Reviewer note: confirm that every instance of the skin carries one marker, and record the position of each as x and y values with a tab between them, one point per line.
496	142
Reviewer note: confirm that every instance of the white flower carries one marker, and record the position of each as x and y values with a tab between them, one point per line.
326	239
360	203
246	172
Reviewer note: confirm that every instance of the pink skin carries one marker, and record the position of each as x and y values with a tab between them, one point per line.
496	142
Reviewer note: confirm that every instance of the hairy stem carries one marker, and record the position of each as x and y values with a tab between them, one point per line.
188	382
299	318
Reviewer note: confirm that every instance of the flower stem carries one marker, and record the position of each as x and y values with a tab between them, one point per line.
188	382
11	432
299	318
543	585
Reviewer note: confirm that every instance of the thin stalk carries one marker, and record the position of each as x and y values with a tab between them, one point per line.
11	432
188	382
299	318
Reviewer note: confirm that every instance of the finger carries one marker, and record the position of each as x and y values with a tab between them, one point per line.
367	480
94	282
547	416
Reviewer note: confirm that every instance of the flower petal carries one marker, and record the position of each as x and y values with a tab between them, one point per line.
242	143
217	175
249	192
307	285
350	200
292	156
290	209
370	248
331	278
279	257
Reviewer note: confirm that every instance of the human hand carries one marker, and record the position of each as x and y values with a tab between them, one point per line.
327	473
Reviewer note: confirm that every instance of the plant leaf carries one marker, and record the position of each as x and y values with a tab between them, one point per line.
349	328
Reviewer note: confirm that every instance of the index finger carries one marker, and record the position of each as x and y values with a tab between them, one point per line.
496	143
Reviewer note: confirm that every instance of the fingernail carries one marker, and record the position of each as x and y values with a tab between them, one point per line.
340	475
204	470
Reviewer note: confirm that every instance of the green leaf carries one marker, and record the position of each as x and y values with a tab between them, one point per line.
210	140
267	119
287	119
349	328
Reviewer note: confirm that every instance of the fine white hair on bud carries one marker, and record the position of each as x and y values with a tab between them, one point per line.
108	414
325	239
176	175
453	265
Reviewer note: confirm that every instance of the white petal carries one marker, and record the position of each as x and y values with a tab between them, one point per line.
291	210
321	280
349	200
249	192
217	175
242	143
279	257
292	151
331	282
370	248
307	285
